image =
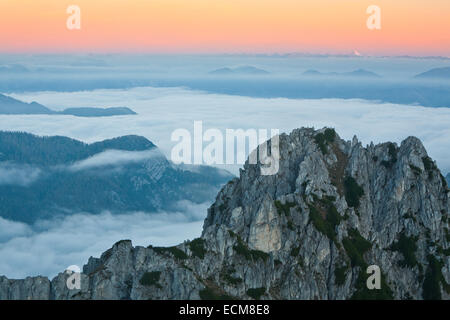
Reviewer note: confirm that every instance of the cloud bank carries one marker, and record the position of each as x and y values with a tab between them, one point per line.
50	246
15	174
162	110
114	158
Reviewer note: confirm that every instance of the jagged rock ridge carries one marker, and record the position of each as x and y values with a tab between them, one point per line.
308	232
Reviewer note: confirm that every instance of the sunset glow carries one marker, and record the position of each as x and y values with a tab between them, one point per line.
409	27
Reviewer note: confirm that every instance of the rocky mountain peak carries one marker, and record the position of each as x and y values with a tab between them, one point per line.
310	231
320	165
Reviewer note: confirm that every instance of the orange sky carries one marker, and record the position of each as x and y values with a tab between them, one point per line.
414	27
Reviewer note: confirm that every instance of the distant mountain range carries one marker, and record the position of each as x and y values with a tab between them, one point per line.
357	73
394	90
10	105
249	70
436	73
448	178
41	177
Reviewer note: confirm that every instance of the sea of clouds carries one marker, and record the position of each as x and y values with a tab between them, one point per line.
50	246
18	174
163	110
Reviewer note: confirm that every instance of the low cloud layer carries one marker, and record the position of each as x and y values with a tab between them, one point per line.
163	110
14	174
50	246
114	158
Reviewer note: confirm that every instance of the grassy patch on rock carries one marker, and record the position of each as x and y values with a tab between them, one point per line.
433	280
256	293
407	246
284	208
174	251
227	276
356	246
392	151
323	139
339	275
209	293
325	217
353	192
242	249
197	247
151	279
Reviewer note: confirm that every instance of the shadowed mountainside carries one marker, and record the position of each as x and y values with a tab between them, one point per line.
41	177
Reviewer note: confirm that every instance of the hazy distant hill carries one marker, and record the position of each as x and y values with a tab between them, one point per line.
41	177
356	73
437	73
249	70
98	112
399	91
10	105
361	73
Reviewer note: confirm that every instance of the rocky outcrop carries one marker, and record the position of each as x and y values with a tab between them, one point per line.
309	232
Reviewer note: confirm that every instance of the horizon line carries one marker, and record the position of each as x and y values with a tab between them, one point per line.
200	53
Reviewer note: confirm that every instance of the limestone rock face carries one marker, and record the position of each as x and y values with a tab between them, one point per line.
265	231
308	232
